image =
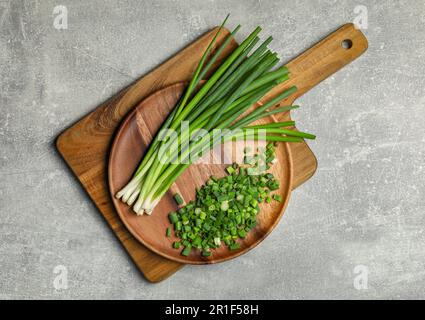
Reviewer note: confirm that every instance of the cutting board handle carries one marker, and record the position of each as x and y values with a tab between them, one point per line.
322	60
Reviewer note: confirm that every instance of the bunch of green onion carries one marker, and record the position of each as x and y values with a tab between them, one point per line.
222	102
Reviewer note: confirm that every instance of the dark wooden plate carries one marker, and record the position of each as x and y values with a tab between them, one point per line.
129	145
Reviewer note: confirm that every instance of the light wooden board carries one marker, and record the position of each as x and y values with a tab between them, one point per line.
85	145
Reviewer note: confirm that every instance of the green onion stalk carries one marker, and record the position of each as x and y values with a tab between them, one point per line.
223	103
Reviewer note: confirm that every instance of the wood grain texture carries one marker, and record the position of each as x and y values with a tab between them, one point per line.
131	142
85	145
308	70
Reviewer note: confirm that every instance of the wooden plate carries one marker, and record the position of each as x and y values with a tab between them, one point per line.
129	145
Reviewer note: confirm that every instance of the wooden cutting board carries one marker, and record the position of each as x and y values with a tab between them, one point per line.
85	145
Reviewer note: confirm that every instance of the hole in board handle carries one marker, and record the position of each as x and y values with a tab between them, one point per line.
347	44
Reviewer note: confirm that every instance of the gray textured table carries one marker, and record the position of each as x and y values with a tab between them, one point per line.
356	230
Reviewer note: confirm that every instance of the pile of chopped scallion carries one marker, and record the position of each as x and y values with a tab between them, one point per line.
223	103
225	209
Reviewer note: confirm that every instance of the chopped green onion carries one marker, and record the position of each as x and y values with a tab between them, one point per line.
224	206
206	253
176	245
230	170
173	217
179	199
277	198
186	251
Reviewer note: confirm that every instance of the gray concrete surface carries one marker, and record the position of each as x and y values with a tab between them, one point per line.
364	207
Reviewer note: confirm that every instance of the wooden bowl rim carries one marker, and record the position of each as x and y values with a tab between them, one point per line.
153	248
